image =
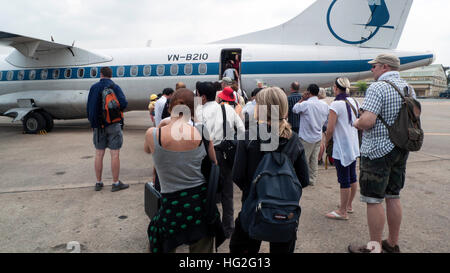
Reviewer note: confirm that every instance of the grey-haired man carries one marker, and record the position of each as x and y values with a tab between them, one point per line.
383	165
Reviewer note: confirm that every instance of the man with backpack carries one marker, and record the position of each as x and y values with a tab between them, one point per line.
221	122
105	106
383	163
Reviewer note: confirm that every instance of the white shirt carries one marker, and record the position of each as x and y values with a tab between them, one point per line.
345	136
250	109
159	107
210	115
313	114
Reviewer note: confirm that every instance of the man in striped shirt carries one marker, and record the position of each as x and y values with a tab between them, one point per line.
294	97
383	165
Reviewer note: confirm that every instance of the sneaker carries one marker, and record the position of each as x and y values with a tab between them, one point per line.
358	249
98	186
119	187
388	248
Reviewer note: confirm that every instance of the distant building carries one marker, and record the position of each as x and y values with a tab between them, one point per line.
427	81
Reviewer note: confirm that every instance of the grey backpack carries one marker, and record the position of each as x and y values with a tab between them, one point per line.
406	132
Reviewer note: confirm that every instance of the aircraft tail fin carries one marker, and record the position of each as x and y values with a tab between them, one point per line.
363	23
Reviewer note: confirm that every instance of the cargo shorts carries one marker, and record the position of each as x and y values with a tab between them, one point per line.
383	177
109	137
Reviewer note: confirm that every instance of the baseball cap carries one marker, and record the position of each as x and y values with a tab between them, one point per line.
153	97
389	59
227	80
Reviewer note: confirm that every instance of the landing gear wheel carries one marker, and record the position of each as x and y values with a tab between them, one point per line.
33	123
48	121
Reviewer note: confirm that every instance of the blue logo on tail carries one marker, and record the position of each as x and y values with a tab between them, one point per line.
378	19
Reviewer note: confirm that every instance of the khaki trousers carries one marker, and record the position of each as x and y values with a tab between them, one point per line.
312	157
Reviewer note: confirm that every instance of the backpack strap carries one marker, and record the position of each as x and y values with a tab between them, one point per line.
224	116
401	95
353	107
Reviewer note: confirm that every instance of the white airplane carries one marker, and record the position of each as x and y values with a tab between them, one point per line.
43	80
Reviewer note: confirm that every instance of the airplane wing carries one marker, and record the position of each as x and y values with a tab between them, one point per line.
26	45
34	52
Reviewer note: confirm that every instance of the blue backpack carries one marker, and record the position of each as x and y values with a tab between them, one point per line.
272	210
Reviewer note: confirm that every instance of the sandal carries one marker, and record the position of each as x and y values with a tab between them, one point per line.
348	211
334	215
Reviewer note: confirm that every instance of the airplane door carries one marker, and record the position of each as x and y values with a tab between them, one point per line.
230	58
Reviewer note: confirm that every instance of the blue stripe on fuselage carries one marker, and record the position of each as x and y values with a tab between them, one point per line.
247	68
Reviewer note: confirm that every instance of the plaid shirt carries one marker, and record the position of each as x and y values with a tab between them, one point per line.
381	98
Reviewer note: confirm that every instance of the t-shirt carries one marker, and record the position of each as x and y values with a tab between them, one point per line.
345	136
229	73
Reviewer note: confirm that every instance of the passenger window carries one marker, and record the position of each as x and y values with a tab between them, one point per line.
134	71
94	72
147	70
44	74
160	70
174	70
9	75
68	73
202	69
188	69
80	73
120	71
56	74
20	75
32	75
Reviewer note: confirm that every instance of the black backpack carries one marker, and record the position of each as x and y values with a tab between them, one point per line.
271	211
406	132
228	146
165	112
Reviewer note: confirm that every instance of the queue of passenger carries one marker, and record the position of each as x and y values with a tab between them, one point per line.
221	130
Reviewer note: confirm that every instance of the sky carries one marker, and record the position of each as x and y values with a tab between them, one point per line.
97	24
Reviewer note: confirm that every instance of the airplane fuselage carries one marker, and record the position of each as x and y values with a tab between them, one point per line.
62	89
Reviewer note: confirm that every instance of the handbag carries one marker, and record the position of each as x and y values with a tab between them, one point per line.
227	147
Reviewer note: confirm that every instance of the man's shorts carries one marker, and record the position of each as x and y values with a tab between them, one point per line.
109	137
383	177
346	175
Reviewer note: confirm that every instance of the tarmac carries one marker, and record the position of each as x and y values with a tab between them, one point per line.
47	197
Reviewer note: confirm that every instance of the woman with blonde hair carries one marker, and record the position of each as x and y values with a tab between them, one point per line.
343	112
249	153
